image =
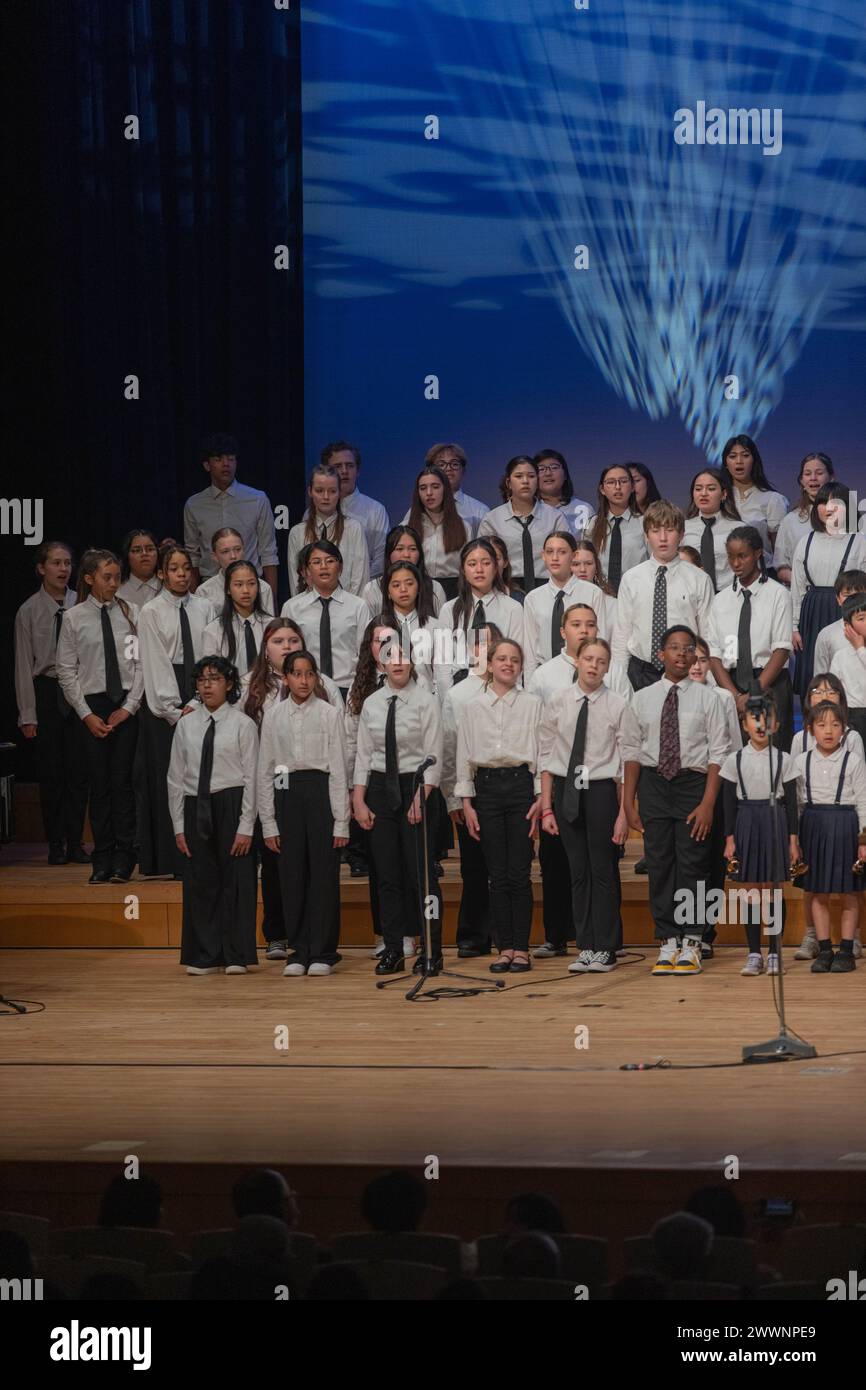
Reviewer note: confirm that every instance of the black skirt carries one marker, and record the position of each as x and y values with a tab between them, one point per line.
763	857
828	840
819	609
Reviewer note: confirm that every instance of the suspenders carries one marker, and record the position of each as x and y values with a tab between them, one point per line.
778	773
839	785
806	557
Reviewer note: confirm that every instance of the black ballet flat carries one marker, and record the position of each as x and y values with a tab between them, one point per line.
421	967
500	966
520	967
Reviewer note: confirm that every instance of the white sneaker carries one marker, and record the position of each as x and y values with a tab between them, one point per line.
858	945
772	963
295	968
409	947
236	970
689	959
667	957
808	947
754	964
582	964
319	967
378	949
202	970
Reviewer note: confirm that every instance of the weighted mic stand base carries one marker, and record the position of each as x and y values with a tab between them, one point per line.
478	987
778	1050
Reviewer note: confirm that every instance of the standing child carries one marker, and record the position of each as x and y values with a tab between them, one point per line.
617	533
402	543
583	731
399	728
832	833
523	521
331	619
172	641
212	796
481	599
497	778
228	547
409	611
304	807
819	559
43	714
673	768
324	521
765	843
433	516
831	639
100	675
710	519
139	557
237	633
700	672
815	471
849	664
586	565
544	608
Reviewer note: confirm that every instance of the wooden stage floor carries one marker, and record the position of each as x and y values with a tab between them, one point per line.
130	1055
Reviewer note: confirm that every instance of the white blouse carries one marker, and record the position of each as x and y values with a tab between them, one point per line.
497	731
162	650
297	738
235	754
352	546
440	563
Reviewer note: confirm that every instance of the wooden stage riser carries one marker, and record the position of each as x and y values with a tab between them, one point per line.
103	925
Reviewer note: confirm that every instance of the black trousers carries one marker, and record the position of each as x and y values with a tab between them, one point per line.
157	852
556	879
272	898
675	861
309	868
396	849
61	767
112	801
473	918
219	892
503	796
593	859
642	673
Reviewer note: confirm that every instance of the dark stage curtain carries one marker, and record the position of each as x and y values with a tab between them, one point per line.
151	257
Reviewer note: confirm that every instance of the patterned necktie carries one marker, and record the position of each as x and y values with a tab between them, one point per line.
249	644
614	554
528	557
576	771
203	810
113	683
188	656
708	550
743	676
392	761
556	642
326	656
660	617
669	736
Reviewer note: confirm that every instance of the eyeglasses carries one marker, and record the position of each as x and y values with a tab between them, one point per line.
681	651
210	680
550	468
452	466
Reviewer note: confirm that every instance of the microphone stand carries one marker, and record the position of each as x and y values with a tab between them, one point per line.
418	991
784	1045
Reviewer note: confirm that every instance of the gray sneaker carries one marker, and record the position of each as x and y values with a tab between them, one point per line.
548	951
582	964
276	950
808	948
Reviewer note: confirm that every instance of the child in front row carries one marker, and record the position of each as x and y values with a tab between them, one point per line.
764	844
832	832
212	800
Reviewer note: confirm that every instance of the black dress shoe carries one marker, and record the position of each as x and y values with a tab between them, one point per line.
391	963
359	871
470	952
420	966
77	855
57	855
120	874
640	867
100	876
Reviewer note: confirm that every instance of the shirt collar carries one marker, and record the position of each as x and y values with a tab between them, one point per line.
402	695
338	594
176	600
833	757
529	515
218	715
666	684
96	603
214	491
665	564
591	695
508	699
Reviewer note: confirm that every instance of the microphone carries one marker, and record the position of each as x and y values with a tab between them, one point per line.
428	762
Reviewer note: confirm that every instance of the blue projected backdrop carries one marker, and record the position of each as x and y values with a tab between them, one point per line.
623	231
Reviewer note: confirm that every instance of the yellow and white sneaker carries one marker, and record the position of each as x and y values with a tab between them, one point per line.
689	958
667	957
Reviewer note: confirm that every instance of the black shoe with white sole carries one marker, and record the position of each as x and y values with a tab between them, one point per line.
601	962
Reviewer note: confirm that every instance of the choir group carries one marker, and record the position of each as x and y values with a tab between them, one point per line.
564	671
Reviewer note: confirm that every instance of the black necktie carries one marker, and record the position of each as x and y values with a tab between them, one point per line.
113	683
744	643
62	706
459	676
556	642
323	534
480	618
660	616
614	554
575	774
58	619
326	656
203	815
392	761
188	655
249	644
528	557
574	676
708	550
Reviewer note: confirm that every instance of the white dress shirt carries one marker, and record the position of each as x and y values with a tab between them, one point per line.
721	529
538	614
235	754
825	563
214	643
503	521
418	640
831	639
305	737
849	664
558	673
610	726
440	563
213	591
703	731
276	688
374	522
80	658
244	508
456	700
349	617
372	596
580	515
352	546
756	506
162	649
732	718
794	526
634	542
419	733
803	741
139	591
472	511
824	779
770	625
755	772
500	609
497	731
689	600
607	615
35	646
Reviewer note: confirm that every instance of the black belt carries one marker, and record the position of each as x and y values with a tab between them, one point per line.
495	772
